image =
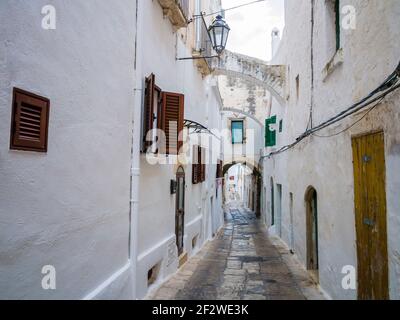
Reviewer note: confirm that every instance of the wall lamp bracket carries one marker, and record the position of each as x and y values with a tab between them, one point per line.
197	58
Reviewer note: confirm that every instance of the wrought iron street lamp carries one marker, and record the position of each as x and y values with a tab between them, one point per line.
219	32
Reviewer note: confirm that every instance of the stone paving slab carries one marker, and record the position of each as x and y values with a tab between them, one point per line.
242	263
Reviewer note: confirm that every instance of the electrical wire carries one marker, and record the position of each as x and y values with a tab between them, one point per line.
233	8
224	10
387	87
351	126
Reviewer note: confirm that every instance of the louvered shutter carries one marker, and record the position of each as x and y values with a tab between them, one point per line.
30	120
148	113
270	136
203	165
195	165
173	119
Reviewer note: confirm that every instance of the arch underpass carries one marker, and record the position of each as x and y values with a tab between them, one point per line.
254	71
244	113
248	87
244	184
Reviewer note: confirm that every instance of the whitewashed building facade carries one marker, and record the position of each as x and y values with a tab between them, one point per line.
339	186
77	194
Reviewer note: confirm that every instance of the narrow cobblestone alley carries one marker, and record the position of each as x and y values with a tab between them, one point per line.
241	263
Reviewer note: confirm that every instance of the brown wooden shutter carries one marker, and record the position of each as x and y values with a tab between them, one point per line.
30	121
202	165
195	165
173	119
148	113
199	165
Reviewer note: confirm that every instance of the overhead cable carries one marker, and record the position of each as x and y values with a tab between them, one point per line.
376	96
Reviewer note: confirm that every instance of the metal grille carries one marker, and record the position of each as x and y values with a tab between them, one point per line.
206	46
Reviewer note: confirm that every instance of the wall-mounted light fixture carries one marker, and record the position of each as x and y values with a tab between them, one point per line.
218	33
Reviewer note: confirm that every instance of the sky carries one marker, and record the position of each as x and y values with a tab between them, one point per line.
251	26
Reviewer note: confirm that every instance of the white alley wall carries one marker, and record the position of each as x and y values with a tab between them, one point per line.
156	231
69	207
370	54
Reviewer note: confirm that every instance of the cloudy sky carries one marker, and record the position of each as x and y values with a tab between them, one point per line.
251	26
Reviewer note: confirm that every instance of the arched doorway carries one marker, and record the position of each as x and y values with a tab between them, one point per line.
243	183
180	210
272	202
311	200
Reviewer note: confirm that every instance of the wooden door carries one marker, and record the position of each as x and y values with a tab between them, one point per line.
370	216
180	210
272	203
279	210
291	222
312	231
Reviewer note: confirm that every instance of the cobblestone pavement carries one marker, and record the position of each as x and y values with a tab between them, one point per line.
241	263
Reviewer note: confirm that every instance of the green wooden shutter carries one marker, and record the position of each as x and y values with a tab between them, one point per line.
267	132
270	136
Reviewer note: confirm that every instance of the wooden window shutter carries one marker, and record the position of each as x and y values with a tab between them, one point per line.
148	114
173	119
30	121
195	165
270	136
203	165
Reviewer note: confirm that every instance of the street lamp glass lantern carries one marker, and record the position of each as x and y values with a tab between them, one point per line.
219	32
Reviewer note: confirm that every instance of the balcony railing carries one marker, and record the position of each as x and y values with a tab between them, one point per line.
184	5
177	11
206	45
205	51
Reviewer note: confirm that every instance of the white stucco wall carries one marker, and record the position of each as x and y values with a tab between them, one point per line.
370	54
69	207
156	231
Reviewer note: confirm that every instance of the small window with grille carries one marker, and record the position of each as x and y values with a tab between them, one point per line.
30	121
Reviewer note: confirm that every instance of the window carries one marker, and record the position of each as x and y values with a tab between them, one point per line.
152	114
237	132
163	111
198	166
297	87
30	121
219	173
337	23
333	26
281	126
270	135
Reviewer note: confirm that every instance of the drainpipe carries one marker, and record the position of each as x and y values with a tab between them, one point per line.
135	157
312	65
197	12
